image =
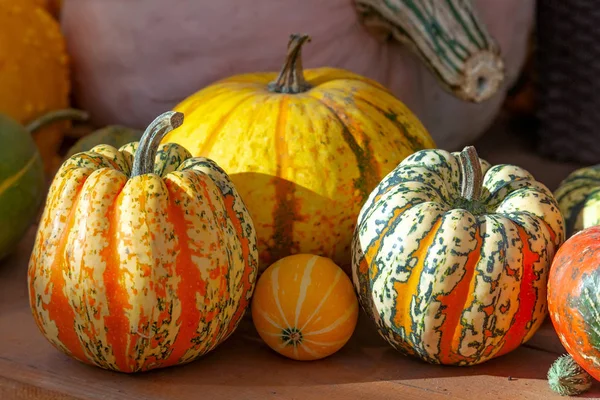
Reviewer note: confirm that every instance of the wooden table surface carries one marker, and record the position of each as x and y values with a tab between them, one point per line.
245	368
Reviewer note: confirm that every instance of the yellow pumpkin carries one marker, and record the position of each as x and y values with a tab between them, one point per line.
34	72
304	307
304	148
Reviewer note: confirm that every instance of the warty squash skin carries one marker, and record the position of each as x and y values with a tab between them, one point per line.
142	259
573	301
34	72
578	197
304	149
450	259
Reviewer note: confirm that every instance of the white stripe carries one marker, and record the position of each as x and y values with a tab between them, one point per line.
323	300
275	288
304	286
268	318
336	323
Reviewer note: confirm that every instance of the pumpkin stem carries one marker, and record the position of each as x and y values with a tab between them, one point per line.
291	78
143	160
472	177
58	115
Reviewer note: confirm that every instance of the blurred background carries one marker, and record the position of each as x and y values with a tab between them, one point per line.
125	62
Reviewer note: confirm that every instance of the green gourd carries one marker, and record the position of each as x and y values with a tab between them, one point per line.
114	135
22	178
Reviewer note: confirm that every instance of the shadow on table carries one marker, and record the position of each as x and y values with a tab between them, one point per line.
244	360
366	358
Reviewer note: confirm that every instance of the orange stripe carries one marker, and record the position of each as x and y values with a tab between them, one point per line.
59	308
191	281
287	207
527	298
410	289
116	323
455	302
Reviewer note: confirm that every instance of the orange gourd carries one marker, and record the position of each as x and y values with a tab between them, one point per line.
573	301
304	307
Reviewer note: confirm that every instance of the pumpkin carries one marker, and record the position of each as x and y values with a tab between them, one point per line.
198	47
578	197
304	307
22	179
451	256
573	302
34	72
304	149
144	258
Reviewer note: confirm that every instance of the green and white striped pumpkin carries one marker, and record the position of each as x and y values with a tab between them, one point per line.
451	256
578	197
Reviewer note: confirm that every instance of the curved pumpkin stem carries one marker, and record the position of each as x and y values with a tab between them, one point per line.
472	176
291	78
58	115
143	161
447	35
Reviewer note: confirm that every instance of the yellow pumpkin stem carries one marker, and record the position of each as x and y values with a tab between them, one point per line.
291	78
143	161
58	115
472	176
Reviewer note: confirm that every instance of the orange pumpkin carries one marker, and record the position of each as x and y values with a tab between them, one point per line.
304	307
144	258
573	301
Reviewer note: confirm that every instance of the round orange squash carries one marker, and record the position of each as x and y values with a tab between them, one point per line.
304	307
304	148
573	301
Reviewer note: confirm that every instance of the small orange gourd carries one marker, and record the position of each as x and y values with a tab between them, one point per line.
304	307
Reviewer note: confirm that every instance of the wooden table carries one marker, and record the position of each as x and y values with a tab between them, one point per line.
244	368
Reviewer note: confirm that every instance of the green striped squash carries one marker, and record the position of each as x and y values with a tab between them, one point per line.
451	256
578	197
22	181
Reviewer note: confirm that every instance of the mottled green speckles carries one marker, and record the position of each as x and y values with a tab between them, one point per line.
589	304
450	282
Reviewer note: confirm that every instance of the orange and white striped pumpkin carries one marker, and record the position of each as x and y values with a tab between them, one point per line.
305	307
144	257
